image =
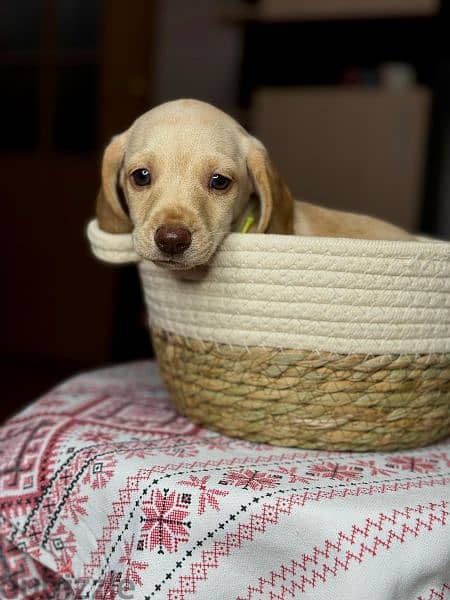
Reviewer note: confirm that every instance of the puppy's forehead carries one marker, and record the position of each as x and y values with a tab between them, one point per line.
185	125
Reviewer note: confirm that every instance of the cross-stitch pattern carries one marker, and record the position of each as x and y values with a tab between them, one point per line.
107	493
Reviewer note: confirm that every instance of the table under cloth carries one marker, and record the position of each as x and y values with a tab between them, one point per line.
107	493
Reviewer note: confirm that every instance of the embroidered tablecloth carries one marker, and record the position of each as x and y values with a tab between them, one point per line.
107	493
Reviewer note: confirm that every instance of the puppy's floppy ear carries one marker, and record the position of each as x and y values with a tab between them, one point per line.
111	205
275	199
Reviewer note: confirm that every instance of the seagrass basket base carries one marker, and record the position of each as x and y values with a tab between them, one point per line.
305	399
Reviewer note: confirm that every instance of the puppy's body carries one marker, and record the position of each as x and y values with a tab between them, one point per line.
185	174
310	219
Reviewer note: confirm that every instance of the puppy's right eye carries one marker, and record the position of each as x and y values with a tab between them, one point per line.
141	177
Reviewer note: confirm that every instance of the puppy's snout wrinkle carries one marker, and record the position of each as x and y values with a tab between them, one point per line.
173	240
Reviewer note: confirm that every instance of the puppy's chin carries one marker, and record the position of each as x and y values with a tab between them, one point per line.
174	265
184	264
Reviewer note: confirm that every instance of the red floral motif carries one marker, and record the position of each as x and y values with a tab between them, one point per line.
248	478
373	467
294	477
62	546
100	472
208	496
74	506
97	437
221	444
333	470
135	450
413	464
165	524
132	566
181	451
109	588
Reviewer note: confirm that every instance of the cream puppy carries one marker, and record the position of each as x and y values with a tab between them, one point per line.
185	174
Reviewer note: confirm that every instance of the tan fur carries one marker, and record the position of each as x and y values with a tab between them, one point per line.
183	143
277	207
318	221
110	214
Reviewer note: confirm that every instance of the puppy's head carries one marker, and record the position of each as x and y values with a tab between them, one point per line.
183	176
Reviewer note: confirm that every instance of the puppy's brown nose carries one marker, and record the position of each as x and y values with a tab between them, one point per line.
172	240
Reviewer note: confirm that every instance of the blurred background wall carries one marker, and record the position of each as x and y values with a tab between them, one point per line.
199	54
352	97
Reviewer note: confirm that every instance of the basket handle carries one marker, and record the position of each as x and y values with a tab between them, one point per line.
116	248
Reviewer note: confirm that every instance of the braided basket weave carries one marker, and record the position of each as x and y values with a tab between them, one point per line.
322	343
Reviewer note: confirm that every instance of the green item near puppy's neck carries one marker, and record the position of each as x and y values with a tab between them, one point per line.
247	224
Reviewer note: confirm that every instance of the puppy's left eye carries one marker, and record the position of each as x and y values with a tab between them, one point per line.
219	182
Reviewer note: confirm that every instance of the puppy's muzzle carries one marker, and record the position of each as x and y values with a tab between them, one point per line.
172	240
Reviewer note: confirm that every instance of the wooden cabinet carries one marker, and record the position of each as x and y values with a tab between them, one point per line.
73	73
353	9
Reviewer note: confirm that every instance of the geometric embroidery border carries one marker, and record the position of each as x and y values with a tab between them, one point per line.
323	492
433	594
336	556
386	485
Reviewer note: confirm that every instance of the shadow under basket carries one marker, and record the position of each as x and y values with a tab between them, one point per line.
324	343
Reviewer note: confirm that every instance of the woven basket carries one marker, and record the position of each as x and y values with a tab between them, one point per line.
335	344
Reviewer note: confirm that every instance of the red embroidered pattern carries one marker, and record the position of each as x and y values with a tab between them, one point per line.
104	483
338	471
133	567
442	594
62	546
268	515
361	543
165	526
209	497
114	519
412	464
249	479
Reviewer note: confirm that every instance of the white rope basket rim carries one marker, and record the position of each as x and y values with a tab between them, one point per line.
119	248
338	295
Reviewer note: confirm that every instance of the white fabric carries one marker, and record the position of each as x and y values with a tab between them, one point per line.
328	294
119	497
